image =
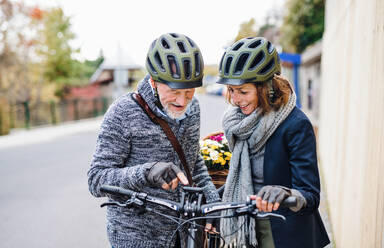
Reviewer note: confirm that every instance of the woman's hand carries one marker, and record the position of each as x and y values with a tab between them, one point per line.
270	197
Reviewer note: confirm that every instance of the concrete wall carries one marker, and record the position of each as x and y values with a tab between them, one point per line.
351	128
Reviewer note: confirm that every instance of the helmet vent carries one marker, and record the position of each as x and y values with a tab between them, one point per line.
197	64
221	62
238	46
173	68
174	35
255	44
268	67
158	61
187	68
191	42
240	63
181	46
151	66
270	47
228	65
259	57
165	44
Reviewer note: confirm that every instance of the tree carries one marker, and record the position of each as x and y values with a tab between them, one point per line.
15	47
247	29
92	65
16	43
57	53
54	46
303	24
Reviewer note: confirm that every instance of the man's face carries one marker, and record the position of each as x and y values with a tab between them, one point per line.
174	101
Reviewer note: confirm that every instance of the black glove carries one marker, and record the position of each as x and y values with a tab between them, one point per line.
274	193
161	174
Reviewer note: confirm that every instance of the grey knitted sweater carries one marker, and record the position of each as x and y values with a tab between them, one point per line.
128	141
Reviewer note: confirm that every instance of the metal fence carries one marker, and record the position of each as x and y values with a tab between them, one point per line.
27	114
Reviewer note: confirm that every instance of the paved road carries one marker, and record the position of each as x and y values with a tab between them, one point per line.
44	198
212	109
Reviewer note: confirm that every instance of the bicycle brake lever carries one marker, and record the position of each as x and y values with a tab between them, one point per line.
243	210
265	215
132	201
114	203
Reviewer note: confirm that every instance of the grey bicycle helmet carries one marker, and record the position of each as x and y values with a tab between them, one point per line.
252	59
174	59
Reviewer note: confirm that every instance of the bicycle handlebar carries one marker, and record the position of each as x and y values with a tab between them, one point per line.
190	207
204	209
142	196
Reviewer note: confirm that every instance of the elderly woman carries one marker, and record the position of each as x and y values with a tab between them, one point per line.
273	151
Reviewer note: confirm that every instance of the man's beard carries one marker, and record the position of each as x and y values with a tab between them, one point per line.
172	114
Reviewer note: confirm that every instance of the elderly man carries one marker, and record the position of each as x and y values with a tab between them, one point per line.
134	153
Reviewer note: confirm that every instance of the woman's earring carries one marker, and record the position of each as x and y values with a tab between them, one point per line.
271	92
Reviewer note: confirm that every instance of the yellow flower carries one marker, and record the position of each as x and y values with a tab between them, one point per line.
215	153
223	162
205	151
220	160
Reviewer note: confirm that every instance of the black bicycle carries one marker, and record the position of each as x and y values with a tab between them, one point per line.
191	209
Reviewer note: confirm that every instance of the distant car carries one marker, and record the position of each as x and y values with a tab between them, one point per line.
216	89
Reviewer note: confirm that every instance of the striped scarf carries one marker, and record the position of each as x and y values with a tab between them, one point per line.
246	134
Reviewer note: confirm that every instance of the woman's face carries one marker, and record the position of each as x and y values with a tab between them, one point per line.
244	96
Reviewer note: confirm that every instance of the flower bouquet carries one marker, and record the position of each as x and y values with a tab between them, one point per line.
215	151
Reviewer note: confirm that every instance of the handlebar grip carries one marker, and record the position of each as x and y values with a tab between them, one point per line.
114	190
289	202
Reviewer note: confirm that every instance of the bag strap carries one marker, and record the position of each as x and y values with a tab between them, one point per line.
168	131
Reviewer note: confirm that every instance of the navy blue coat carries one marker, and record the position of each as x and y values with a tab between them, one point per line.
290	160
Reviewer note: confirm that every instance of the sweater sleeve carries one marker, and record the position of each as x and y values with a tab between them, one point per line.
203	180
112	150
303	161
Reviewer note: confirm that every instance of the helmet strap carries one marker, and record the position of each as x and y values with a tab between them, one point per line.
156	95
157	99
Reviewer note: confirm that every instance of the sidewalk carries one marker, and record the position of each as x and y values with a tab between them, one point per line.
323	209
34	135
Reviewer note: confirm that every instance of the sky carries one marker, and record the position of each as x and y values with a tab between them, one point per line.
129	27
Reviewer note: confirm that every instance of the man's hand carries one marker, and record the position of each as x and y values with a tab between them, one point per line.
166	175
270	197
